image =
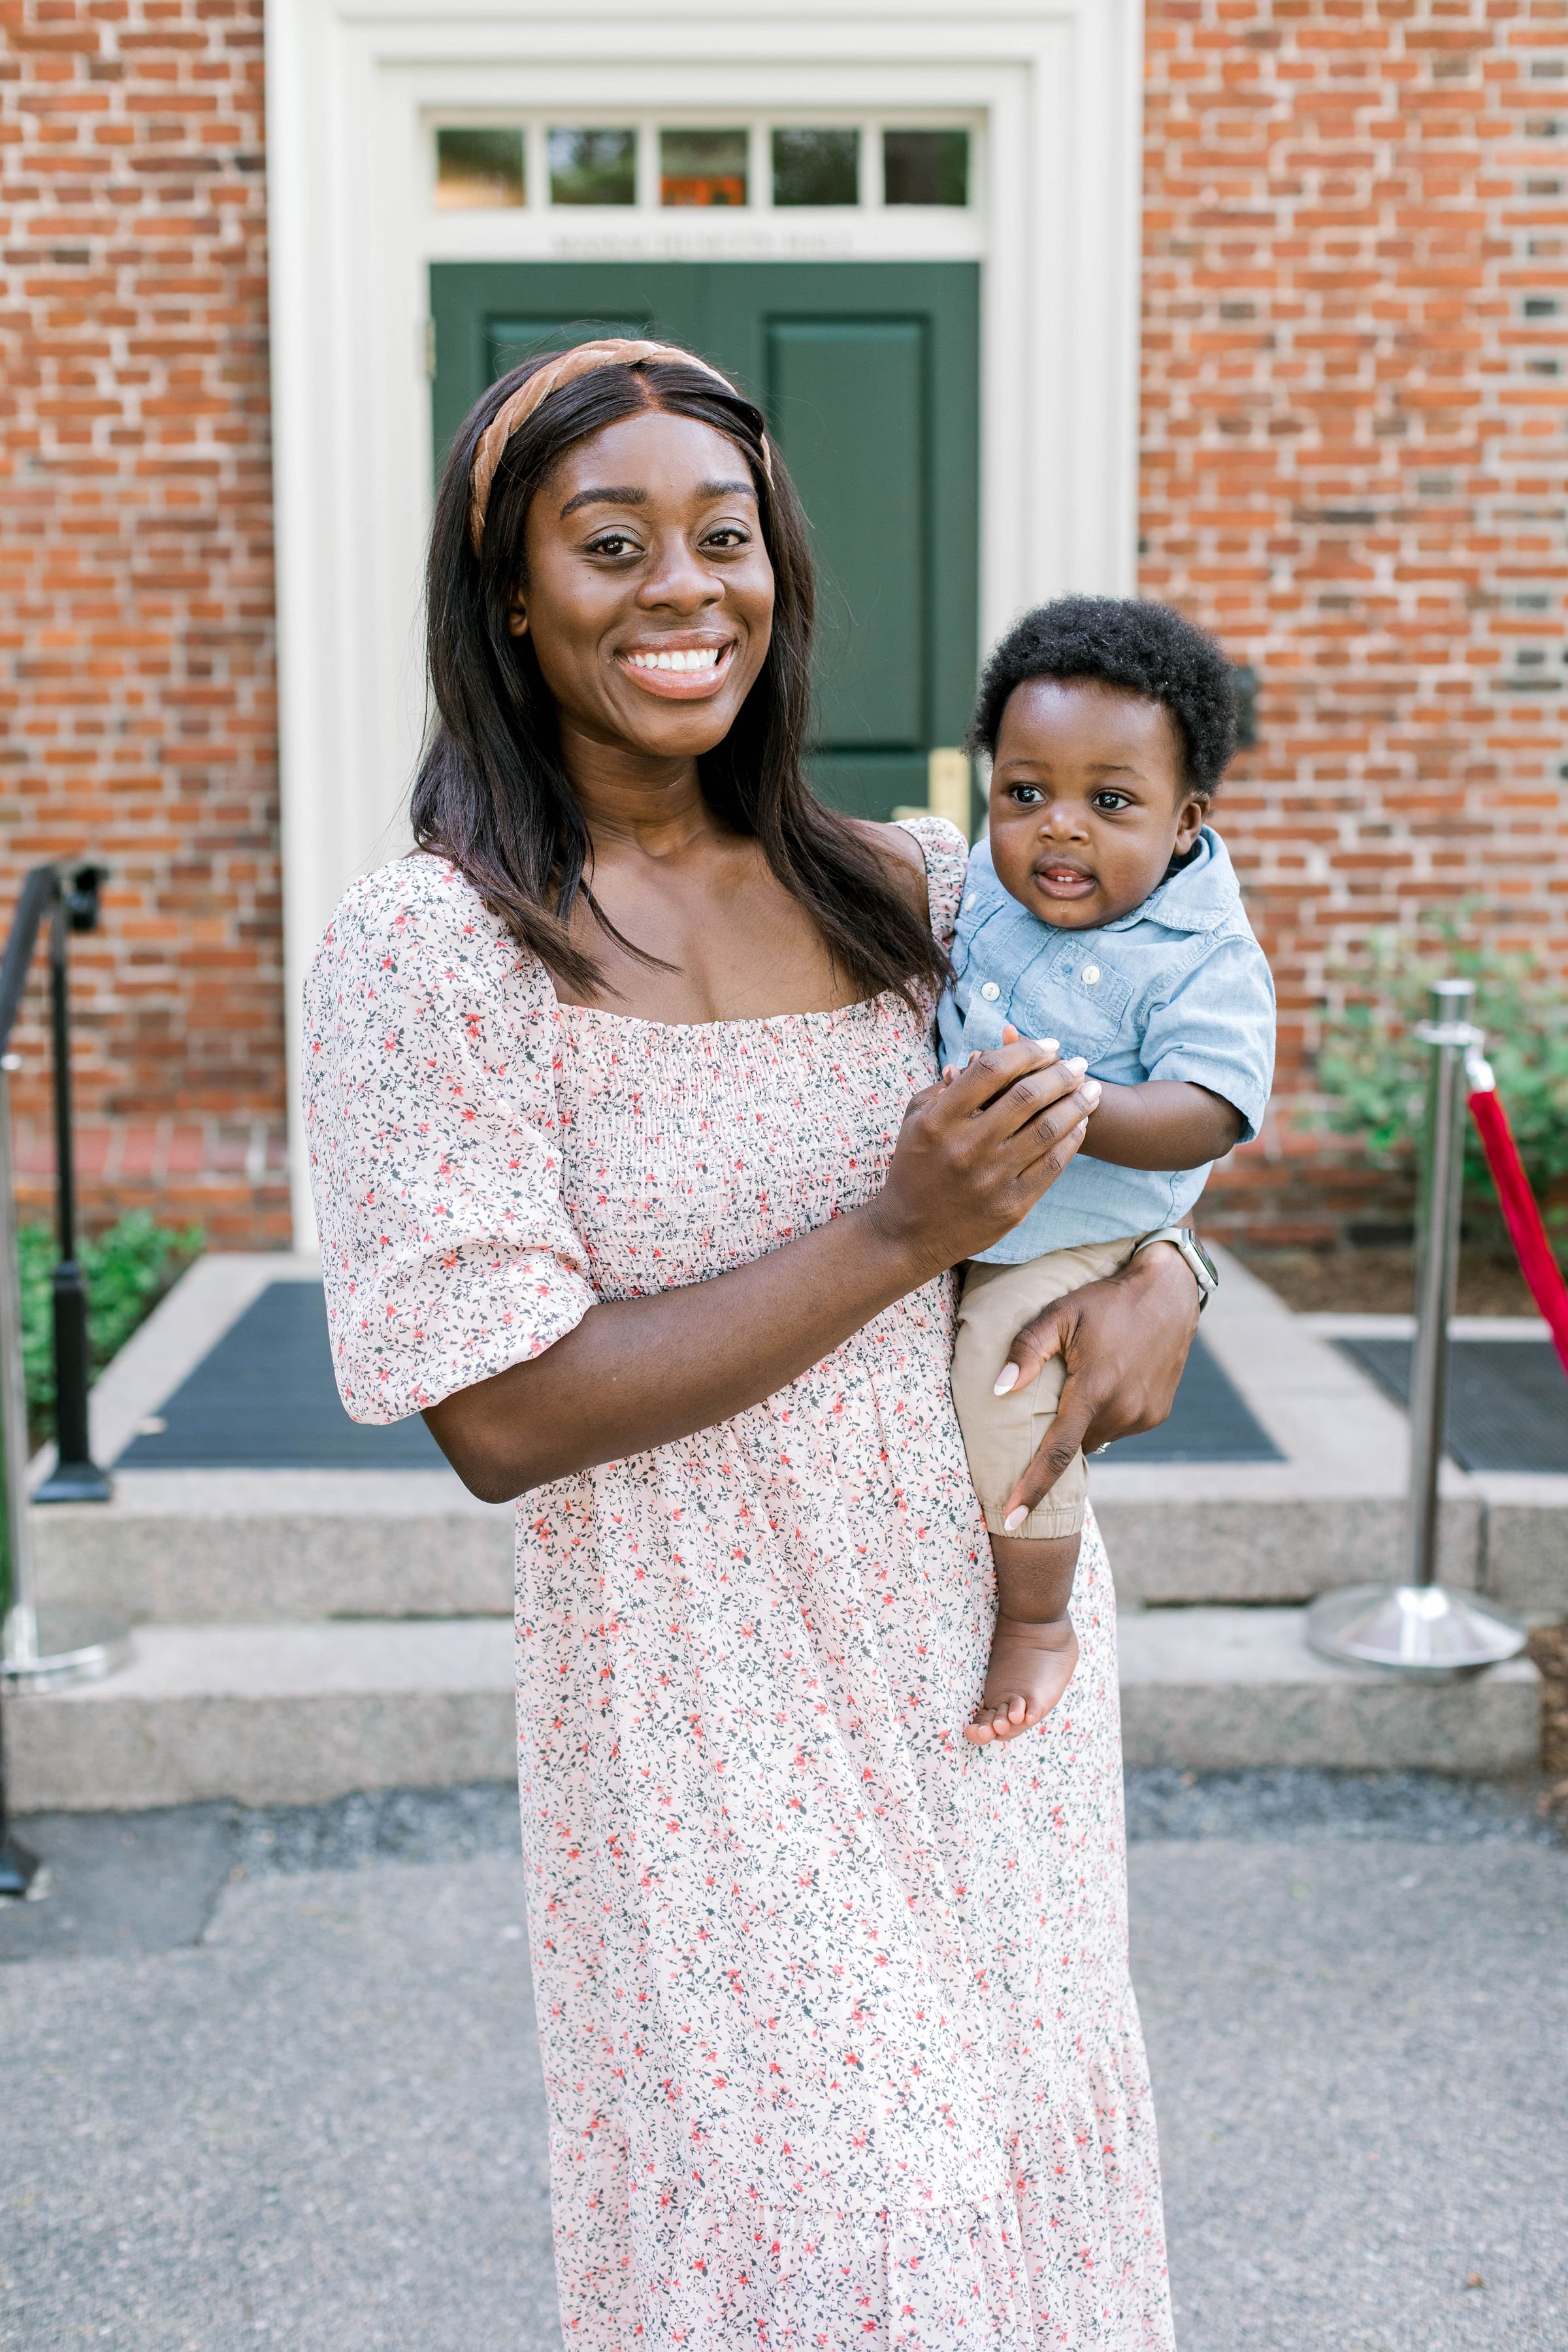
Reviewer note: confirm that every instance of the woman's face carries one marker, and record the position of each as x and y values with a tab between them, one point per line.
649	596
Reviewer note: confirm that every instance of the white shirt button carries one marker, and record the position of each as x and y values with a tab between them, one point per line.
969	902
989	991
1089	974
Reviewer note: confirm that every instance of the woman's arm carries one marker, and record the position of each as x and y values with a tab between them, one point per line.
971	1160
1124	1342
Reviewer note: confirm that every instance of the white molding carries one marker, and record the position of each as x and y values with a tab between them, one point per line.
1053	92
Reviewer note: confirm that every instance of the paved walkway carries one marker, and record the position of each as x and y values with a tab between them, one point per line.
320	2126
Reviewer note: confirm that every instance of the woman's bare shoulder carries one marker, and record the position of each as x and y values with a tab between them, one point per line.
900	854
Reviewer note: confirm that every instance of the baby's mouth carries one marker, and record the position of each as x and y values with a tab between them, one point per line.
1058	879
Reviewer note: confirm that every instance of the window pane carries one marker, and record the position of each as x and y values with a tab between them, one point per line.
593	167
702	167
816	167
478	168
925	167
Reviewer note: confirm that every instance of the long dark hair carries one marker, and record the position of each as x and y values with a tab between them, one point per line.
492	794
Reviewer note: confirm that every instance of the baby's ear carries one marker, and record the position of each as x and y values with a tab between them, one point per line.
1190	820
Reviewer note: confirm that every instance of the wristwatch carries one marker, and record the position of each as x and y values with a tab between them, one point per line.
1204	1272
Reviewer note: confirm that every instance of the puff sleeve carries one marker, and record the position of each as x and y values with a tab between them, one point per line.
429	1105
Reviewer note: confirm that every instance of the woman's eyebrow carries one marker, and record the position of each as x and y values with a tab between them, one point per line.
625	497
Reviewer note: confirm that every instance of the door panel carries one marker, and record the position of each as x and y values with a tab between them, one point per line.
866	373
848	400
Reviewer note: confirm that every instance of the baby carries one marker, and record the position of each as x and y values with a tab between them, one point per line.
1104	913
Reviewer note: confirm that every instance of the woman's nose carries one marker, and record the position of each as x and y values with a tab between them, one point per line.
679	579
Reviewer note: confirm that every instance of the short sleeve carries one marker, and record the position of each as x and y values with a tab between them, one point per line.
946	853
1216	1029
430	1119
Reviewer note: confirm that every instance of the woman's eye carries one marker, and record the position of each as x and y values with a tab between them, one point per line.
728	536
611	543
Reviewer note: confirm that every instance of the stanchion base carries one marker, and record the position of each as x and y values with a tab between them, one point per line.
1415	1629
76	1482
71	1648
18	1872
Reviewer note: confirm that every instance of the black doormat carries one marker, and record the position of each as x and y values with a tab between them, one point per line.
1210	1422
265	1398
1508	1399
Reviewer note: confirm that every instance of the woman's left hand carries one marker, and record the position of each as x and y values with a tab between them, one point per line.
1124	1342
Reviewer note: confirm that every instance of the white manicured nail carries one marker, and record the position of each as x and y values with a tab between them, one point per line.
1090	1091
1049	1044
1076	1062
1006	1380
1016	1519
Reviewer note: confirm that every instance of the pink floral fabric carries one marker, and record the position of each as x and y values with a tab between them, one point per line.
838	2032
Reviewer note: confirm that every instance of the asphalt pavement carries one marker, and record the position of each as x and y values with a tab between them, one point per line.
271	2078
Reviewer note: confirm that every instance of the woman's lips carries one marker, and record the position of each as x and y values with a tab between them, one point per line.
1065	881
679	673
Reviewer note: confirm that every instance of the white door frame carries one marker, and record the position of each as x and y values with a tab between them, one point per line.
1053	89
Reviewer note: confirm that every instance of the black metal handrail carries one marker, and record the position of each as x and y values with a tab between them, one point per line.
67	896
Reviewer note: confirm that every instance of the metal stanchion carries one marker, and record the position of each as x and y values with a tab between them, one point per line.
1420	1626
42	1649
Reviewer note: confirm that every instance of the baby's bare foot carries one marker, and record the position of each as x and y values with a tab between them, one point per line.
1029	1668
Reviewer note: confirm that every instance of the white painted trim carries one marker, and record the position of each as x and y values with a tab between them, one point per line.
1052	90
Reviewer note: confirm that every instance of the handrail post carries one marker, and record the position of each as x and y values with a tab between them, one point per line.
42	1649
1418	1625
76	1477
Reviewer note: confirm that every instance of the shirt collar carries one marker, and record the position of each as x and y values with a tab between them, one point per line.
1197	899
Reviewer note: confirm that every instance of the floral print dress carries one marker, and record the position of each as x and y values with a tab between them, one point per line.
838	2032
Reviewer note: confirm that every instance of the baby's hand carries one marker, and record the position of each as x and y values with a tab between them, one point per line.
1048	1045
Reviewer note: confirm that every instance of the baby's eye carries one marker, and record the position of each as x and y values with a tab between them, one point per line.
1110	801
1026	795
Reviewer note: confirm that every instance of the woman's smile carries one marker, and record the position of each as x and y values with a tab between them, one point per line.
681	667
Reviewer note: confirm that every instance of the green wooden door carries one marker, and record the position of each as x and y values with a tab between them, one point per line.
868	374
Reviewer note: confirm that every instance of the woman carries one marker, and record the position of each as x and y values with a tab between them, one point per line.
632	1177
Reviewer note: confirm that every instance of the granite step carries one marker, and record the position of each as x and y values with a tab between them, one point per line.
297	1714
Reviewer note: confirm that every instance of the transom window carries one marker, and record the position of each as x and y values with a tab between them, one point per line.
555	164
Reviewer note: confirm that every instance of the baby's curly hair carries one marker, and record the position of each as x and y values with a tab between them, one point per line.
1146	649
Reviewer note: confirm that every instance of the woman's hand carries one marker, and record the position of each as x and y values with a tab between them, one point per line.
977	1151
1124	1342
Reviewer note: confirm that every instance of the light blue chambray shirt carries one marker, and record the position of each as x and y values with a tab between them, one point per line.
1178	989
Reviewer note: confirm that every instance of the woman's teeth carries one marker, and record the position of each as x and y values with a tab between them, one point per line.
689	658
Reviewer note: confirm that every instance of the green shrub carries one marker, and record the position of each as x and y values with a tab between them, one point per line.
1373	1068
128	1270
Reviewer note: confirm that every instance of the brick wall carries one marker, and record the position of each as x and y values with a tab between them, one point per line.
1353	469
136	638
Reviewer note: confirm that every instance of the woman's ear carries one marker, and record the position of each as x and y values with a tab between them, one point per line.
517	613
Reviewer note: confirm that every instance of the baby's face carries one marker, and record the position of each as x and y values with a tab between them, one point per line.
1088	802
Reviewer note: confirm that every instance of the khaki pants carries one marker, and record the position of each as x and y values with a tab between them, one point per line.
1002	1434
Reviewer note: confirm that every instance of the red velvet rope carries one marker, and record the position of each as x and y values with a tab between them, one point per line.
1526	1231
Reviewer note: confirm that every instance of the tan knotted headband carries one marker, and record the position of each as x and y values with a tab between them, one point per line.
615	351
